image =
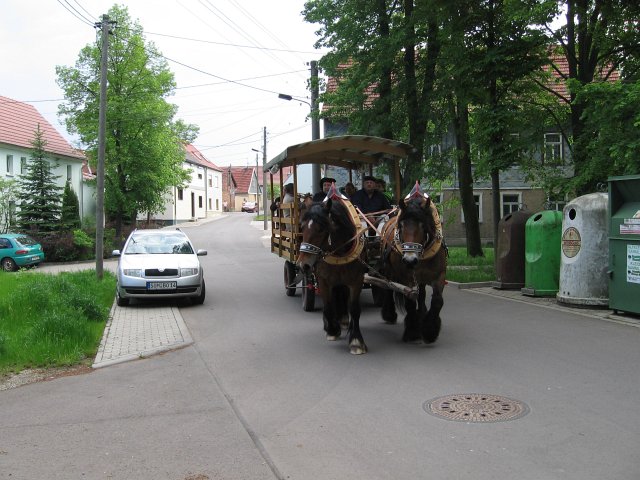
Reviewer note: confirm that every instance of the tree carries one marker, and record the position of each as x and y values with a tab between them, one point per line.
144	145
8	197
612	118
70	213
600	37
39	194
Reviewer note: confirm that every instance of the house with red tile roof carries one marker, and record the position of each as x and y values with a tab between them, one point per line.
18	124
200	197
247	187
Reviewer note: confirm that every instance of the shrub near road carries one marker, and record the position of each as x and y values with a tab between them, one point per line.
52	320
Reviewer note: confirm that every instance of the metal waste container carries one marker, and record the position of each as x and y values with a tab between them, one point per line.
584	256
543	232
510	251
624	243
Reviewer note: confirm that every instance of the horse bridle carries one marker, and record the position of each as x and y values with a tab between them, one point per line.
411	247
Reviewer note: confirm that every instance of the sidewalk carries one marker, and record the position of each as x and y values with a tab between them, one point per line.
141	329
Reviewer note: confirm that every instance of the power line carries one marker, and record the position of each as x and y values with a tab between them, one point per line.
76	14
230	44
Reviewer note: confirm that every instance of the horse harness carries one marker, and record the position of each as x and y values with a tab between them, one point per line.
425	250
355	251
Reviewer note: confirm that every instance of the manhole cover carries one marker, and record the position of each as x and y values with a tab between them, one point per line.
476	408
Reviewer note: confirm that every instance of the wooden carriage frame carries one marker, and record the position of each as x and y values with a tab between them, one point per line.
351	152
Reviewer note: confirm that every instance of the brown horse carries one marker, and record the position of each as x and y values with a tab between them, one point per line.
331	246
414	254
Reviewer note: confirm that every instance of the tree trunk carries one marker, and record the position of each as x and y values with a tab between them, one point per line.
465	179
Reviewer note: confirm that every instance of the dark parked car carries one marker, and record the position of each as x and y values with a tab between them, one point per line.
159	263
19	250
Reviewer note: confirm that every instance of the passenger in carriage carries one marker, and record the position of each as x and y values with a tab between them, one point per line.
287	198
325	185
369	199
349	190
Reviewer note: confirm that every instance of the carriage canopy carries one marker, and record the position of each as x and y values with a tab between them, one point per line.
346	151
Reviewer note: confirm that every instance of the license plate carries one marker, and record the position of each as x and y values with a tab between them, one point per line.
35	257
162	285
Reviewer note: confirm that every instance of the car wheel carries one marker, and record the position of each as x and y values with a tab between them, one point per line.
199	300
121	302
8	265
289	276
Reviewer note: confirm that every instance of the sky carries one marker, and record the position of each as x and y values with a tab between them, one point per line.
230	59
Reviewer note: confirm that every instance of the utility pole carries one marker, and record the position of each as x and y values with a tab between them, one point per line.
315	122
102	127
264	177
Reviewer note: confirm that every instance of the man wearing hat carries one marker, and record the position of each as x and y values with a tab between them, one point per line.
325	185
369	199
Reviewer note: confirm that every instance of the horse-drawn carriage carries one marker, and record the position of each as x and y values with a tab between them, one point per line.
334	249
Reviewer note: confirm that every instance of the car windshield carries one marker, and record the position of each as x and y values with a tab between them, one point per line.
163	244
25	241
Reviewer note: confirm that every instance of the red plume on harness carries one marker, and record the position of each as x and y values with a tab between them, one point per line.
416	192
334	194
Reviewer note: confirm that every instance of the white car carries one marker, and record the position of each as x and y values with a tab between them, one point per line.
159	264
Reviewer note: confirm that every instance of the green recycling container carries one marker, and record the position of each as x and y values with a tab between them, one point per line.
624	243
543	235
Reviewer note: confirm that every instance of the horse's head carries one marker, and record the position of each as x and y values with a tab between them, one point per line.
316	226
416	227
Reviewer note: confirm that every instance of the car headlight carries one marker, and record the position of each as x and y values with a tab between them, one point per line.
188	272
132	272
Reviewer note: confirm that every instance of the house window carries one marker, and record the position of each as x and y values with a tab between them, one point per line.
556	202
477	198
510	203
9	164
23	165
69	171
210	204
210	181
436	198
180	194
552	149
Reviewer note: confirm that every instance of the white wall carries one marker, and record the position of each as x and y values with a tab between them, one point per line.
66	167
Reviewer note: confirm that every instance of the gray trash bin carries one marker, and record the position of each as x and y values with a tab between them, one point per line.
584	256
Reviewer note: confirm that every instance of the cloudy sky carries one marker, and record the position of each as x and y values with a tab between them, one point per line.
230	59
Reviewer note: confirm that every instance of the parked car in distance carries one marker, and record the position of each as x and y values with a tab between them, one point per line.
19	250
249	207
159	263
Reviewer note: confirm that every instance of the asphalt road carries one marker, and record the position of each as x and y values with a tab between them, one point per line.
261	394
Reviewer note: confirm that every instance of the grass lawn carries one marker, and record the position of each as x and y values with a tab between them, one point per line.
465	269
52	320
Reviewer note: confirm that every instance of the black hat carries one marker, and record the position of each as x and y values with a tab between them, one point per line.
368	178
288	188
326	179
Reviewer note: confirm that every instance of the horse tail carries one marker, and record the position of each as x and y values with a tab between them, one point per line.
398	299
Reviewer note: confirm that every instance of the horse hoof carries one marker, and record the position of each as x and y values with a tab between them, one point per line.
411	338
332	338
357	348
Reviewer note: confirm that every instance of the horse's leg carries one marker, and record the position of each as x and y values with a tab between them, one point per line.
388	311
356	341
331	324
432	323
341	302
411	322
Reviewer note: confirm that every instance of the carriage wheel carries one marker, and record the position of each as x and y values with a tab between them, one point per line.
378	295
308	294
289	276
